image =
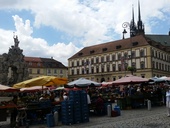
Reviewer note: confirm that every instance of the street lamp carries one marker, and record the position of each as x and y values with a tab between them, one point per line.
127	25
124	32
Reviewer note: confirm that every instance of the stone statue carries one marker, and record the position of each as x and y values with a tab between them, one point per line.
13	68
16	41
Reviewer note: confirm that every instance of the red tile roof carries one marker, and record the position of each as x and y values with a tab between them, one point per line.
32	59
111	46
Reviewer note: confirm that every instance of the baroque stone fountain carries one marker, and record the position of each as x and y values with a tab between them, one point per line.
13	68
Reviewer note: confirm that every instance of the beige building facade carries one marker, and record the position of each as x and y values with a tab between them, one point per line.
110	61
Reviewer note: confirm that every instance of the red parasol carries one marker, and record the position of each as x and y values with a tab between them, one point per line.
7	88
130	79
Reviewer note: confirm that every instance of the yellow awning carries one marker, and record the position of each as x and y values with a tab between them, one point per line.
42	81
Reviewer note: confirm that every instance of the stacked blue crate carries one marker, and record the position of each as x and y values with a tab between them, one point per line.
67	112
75	97
84	107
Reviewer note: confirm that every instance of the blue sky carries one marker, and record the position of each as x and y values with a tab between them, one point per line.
60	28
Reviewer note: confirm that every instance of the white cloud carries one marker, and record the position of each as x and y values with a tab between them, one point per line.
36	47
91	21
40	48
22	28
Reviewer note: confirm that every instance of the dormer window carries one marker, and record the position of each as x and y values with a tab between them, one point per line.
30	63
80	53
92	51
104	49
135	43
118	46
38	64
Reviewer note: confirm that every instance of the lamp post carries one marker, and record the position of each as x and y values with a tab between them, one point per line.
127	25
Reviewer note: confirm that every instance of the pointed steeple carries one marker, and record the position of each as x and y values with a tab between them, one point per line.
139	16
140	26
132	24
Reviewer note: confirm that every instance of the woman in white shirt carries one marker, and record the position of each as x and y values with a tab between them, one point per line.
65	97
168	102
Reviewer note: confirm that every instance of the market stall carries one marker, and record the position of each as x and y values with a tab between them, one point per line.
6	103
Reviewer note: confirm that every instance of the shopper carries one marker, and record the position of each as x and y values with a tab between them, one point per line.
168	101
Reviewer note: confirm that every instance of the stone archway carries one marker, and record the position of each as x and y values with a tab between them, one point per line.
13	68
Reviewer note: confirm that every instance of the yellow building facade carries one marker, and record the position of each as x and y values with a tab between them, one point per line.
110	61
45	66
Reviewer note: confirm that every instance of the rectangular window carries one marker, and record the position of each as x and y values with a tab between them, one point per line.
126	55
55	71
108	58
30	71
142	65
153	64
141	53
108	68
156	65
82	70
97	60
77	63
97	69
72	71
72	64
61	71
82	62
102	68
49	71
113	57
119	56
102	59
119	67
92	70
77	71
114	68
38	71
133	54
92	61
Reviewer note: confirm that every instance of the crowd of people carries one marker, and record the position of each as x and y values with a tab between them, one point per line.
98	97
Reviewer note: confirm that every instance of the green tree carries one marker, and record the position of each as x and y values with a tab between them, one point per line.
132	69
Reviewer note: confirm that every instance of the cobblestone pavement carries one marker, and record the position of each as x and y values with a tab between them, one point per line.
135	118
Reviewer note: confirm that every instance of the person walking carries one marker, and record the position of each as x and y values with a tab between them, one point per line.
168	102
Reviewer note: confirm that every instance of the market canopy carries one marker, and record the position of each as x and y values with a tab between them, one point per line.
7	88
157	80
130	79
106	84
82	82
42	81
168	78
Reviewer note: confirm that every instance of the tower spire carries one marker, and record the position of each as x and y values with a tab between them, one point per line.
132	24
140	25
139	16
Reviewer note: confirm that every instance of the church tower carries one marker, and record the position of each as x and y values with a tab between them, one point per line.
139	28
